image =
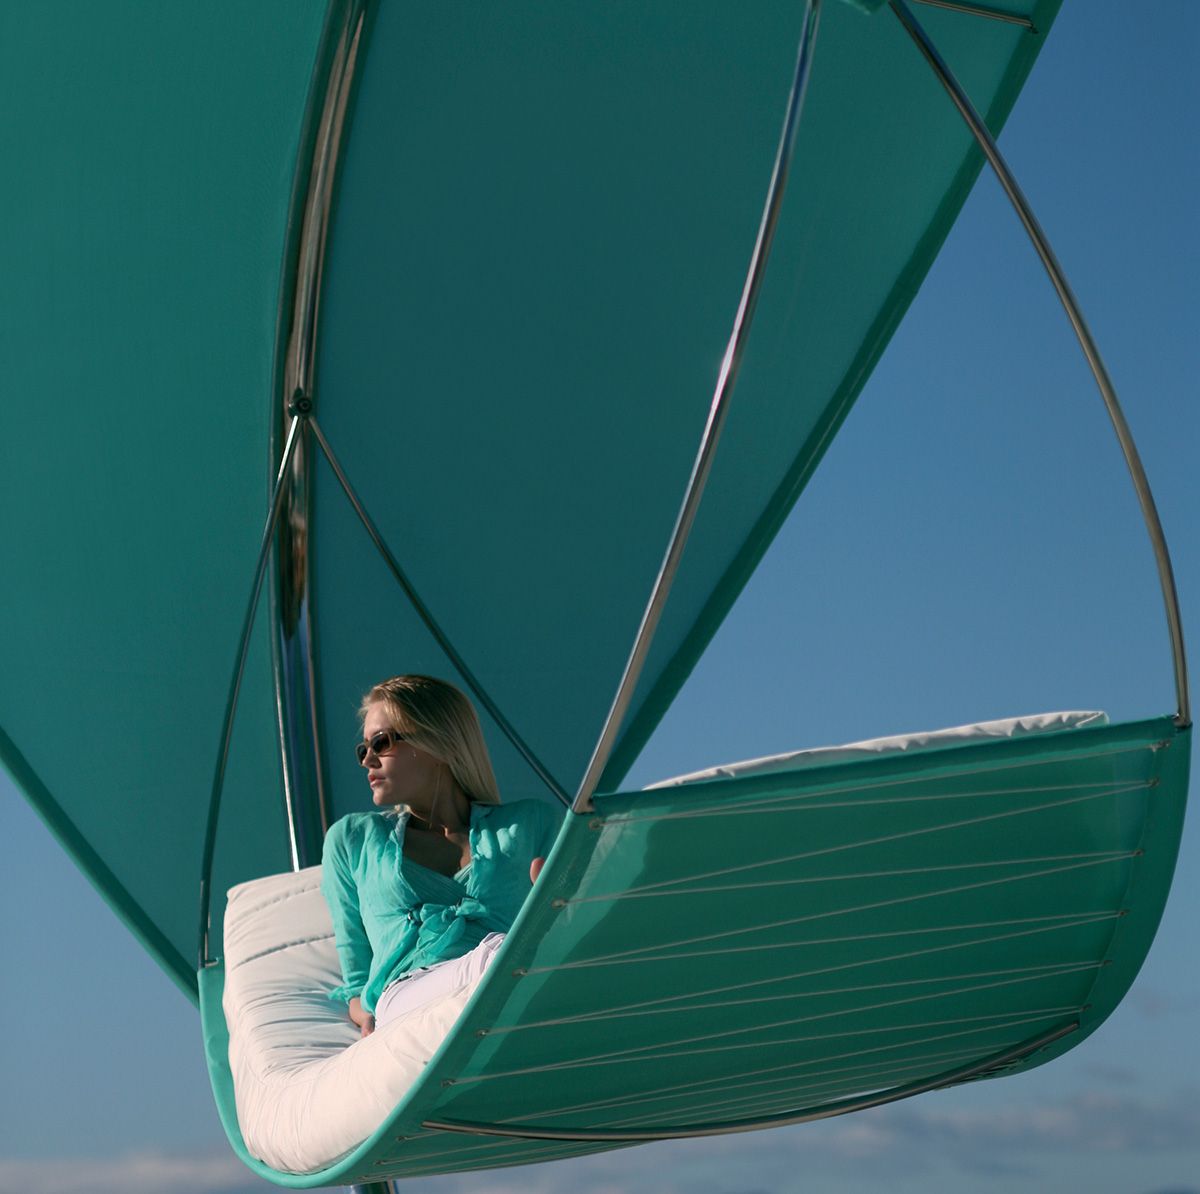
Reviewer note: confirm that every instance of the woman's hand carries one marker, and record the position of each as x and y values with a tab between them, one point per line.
361	1017
535	869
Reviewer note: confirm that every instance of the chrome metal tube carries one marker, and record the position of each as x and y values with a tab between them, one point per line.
1141	484
426	616
305	802
235	688
981	10
718	410
976	1069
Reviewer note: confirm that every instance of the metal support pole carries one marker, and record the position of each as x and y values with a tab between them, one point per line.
716	418
293	638
235	688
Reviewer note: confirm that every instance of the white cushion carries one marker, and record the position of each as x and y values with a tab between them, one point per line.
1011	727
308	1088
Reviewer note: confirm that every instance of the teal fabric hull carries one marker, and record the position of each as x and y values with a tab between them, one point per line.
711	956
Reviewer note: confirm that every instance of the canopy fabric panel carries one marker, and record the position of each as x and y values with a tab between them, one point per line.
151	151
544	218
543	225
722	952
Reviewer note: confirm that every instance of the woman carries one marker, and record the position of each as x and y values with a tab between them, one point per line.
422	893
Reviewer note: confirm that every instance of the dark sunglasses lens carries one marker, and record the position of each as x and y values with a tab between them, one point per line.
378	744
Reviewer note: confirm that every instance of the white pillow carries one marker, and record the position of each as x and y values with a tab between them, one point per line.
1012	727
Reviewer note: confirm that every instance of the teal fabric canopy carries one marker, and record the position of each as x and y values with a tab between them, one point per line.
542	222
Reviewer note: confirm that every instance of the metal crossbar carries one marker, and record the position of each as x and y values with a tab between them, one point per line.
675	1049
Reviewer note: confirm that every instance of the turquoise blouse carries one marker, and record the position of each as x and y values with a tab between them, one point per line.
392	915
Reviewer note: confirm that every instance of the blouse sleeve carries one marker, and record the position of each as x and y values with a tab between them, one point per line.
340	889
550	817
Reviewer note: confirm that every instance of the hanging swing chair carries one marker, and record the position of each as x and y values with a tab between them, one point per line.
926	910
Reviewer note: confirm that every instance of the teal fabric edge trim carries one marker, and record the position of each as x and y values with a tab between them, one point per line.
111	889
673	676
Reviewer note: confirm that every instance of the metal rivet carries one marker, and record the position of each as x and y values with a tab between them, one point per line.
301	404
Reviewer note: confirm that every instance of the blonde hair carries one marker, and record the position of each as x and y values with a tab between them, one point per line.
436	717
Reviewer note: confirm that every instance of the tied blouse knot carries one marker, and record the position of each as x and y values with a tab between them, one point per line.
392	915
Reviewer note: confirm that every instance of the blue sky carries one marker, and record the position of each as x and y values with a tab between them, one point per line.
970	549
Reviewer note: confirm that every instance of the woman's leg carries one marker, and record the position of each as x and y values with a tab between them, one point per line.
420	987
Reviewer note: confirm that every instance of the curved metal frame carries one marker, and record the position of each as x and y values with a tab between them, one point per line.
426	615
981	10
718	410
292	646
1141	484
953	1077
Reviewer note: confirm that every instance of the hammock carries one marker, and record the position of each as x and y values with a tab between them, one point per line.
512	239
957	906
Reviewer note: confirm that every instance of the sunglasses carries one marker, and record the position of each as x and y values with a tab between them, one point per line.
378	744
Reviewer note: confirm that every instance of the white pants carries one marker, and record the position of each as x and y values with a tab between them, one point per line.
419	987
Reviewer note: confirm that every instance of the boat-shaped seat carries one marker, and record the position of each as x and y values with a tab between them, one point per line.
930	899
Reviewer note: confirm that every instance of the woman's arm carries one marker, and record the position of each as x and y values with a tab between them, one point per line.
340	890
361	1017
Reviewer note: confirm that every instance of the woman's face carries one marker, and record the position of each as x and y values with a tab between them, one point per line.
405	774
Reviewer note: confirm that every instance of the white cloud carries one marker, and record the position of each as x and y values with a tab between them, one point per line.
133	1173
897	1144
1092	1120
1154	1003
